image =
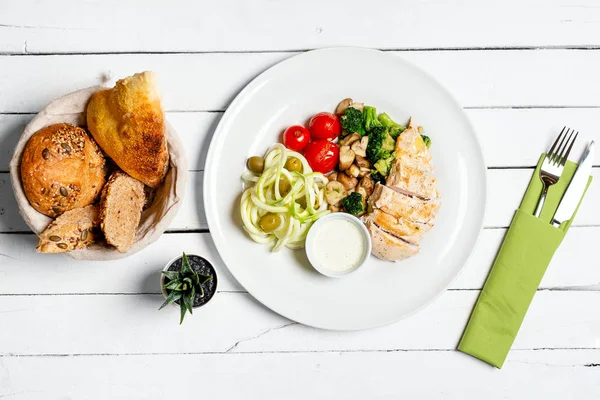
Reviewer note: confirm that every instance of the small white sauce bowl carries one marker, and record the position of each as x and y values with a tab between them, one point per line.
311	243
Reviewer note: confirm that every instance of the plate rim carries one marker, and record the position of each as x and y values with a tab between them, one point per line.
264	75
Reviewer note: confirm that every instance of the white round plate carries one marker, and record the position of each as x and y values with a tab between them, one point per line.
290	93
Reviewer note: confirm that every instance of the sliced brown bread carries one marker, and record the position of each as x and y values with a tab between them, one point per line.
121	207
74	229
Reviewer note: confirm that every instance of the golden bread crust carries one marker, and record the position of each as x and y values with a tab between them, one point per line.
72	230
62	168
128	123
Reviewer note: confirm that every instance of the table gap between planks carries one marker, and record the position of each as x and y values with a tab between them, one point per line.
522	70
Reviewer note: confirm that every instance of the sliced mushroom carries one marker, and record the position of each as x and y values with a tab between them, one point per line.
358	106
332	177
362	191
346	158
362	162
334	192
334	209
364	172
360	148
353	170
341	108
367	184
348	140
349	182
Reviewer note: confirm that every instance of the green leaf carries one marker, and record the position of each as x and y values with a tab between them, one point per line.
171	285
205	278
185	264
188	280
196	279
182	310
172	275
201	291
192	298
187	303
171	298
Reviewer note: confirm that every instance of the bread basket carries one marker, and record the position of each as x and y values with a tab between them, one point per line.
155	219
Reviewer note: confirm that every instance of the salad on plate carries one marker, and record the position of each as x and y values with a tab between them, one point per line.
354	161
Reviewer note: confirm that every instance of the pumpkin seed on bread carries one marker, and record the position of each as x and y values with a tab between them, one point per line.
121	205
72	230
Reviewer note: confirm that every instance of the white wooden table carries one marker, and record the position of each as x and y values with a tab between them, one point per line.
83	330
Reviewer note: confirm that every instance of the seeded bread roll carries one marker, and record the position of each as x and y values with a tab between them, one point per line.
62	168
74	229
121	205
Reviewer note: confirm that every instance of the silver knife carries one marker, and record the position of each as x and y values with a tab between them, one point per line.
573	194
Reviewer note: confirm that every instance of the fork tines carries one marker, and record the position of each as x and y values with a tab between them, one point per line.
559	152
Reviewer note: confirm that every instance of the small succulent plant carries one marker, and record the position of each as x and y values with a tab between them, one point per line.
183	285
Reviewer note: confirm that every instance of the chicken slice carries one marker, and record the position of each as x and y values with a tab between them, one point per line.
412	151
400	205
412	181
389	247
410	231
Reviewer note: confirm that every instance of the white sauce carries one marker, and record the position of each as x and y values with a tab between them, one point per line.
339	245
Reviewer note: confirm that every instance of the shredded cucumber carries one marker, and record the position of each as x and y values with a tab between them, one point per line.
263	196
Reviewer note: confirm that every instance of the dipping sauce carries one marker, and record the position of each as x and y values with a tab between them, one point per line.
339	245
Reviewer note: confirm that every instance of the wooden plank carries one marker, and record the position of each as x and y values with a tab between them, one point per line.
234	322
505	191
509	137
199	82
574	264
23	271
11	128
517	137
547	374
233	26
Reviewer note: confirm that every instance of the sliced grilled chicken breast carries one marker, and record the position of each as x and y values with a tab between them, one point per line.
405	207
412	181
400	205
412	151
408	230
389	247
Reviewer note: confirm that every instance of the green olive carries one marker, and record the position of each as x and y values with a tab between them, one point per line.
302	202
293	164
256	164
269	222
284	187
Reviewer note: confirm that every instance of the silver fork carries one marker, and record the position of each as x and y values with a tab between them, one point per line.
554	163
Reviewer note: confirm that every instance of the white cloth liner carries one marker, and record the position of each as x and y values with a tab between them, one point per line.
155	220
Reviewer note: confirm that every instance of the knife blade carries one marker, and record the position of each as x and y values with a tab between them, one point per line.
576	187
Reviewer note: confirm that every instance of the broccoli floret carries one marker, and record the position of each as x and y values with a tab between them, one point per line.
370	116
389	143
376	177
352	121
394	128
353	204
384	165
375	148
427	140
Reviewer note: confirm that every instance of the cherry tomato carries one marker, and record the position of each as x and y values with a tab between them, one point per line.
322	155
296	137
324	125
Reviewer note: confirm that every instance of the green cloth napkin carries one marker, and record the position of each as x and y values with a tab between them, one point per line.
517	272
